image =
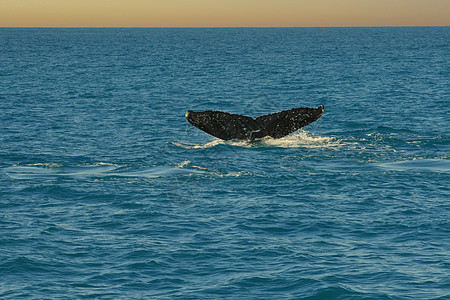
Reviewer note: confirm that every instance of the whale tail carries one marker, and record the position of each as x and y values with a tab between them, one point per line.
228	126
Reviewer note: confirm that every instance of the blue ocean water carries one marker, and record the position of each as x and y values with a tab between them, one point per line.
106	192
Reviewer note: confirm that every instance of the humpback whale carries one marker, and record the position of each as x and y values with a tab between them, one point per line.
228	126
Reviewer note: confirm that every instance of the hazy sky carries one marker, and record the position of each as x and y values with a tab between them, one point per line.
219	13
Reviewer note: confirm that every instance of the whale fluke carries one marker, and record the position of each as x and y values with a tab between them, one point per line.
228	126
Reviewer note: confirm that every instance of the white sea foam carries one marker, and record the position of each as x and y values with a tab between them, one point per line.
300	139
199	146
303	139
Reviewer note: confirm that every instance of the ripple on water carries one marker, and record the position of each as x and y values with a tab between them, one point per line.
419	165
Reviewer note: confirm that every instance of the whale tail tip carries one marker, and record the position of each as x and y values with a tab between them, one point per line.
228	126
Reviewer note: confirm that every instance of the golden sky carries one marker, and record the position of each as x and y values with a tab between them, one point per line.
223	13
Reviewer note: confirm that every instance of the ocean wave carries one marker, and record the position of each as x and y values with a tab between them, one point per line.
419	165
54	171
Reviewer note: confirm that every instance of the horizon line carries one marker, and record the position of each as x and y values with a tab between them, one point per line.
213	27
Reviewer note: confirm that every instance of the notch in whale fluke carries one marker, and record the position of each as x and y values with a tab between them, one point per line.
228	126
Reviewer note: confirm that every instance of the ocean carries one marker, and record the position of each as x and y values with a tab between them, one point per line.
106	192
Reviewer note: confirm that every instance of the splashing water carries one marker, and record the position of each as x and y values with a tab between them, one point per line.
300	139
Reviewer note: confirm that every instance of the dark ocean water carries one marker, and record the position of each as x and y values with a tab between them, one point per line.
106	192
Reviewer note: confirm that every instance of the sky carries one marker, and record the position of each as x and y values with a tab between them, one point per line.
223	13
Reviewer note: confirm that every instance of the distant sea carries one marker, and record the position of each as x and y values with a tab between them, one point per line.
106	192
